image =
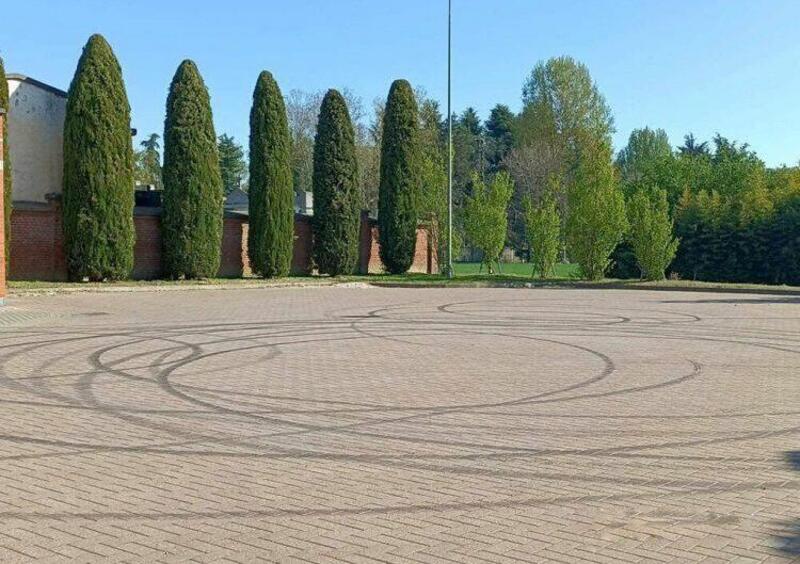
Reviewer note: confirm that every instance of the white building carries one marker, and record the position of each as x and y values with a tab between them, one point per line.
35	136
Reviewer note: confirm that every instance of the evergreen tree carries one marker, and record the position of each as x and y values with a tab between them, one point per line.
148	162
270	236
98	169
232	165
400	176
336	192
191	226
500	133
6	164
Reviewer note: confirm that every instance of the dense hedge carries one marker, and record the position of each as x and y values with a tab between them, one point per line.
337	199
6	163
191	223
765	250
98	169
270	235
400	178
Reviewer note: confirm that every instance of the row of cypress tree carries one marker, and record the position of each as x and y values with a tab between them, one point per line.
337	201
98	194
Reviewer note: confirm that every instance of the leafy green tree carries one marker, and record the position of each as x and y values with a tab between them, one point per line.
647	161
148	162
6	163
543	228
596	221
432	199
337	201
486	216
561	100
270	235
191	223
651	233
232	165
563	111
98	169
400	179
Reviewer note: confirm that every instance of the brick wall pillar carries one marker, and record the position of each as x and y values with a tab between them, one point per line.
2	215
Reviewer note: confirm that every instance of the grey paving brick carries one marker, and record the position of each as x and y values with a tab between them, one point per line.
400	425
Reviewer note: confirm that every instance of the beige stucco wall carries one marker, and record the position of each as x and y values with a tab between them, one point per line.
35	137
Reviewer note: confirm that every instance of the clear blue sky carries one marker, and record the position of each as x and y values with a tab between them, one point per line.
687	65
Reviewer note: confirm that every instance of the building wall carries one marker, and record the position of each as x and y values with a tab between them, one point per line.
37	245
36	137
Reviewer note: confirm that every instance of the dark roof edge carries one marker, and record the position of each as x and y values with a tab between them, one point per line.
34	82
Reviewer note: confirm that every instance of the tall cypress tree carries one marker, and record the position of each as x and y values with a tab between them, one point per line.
400	176
6	163
270	237
98	169
337	200
191	222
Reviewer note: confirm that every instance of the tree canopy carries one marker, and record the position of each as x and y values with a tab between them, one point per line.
337	199
98	190
400	179
191	222
485	216
271	230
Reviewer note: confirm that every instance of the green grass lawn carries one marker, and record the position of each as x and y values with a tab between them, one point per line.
513	275
514	269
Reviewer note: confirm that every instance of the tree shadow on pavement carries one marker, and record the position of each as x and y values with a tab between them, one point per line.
787	540
756	301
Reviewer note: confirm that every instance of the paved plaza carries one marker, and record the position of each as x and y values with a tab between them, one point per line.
400	425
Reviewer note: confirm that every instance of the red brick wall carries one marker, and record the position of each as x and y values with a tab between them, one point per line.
424	254
234	248
37	246
37	249
301	254
147	251
370	263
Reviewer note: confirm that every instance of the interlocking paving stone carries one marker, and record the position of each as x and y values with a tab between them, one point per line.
400	425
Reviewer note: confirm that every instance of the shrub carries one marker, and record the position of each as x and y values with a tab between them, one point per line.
191	222
400	176
98	169
337	201
270	236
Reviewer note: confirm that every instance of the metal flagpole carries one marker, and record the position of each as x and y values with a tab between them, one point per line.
449	153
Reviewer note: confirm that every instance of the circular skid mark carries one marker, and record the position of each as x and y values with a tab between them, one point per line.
159	363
